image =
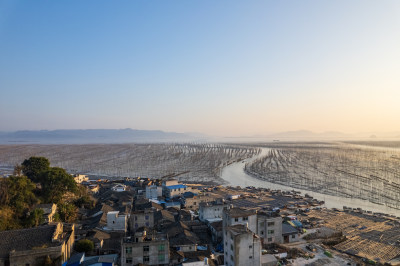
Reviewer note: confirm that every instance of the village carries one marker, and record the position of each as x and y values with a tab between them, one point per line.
143	221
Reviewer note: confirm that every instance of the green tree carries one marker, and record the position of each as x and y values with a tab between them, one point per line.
55	183
67	212
20	193
35	218
34	167
84	245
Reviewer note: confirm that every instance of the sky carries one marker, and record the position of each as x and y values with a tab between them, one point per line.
226	68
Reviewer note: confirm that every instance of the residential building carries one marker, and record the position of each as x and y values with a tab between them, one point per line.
233	216
142	218
119	188
145	248
289	233
153	192
35	246
174	190
269	227
211	211
116	222
241	246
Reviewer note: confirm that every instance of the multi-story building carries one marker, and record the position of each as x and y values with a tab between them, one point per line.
233	216
142	218
153	192
211	211
241	246
145	248
269	227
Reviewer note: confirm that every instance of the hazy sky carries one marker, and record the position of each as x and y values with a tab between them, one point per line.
217	67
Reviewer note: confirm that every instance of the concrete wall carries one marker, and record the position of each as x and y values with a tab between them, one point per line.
142	218
116	222
211	212
241	249
153	192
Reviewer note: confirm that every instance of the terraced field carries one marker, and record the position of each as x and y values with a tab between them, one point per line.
345	170
200	162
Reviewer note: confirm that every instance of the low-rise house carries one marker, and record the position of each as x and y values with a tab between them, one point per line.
289	233
35	246
103	260
241	246
49	210
119	188
216	231
145	248
116	221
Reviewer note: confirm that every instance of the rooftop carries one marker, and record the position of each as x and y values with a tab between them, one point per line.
238	212
176	186
26	239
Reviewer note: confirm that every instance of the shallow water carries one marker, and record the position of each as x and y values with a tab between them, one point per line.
235	175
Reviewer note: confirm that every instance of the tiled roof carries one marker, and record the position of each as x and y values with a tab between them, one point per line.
26	239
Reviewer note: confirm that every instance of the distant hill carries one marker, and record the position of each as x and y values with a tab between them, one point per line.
87	136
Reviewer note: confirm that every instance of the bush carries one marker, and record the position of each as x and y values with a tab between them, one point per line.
84	245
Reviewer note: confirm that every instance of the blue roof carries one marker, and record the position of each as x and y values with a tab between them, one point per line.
176	186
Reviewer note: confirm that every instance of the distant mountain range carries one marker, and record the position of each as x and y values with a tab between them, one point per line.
87	136
80	136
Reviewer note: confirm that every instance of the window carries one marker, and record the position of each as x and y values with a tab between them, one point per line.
128	260
231	247
250	246
293	236
262	232
270	231
161	258
250	257
147	223
128	250
161	247
146	258
270	239
146	248
245	218
271	224
146	217
262	224
236	219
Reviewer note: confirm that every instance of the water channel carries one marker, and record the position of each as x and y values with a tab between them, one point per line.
235	175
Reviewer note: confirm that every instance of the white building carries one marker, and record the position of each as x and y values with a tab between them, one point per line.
119	188
211	211
116	222
241	246
153	192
